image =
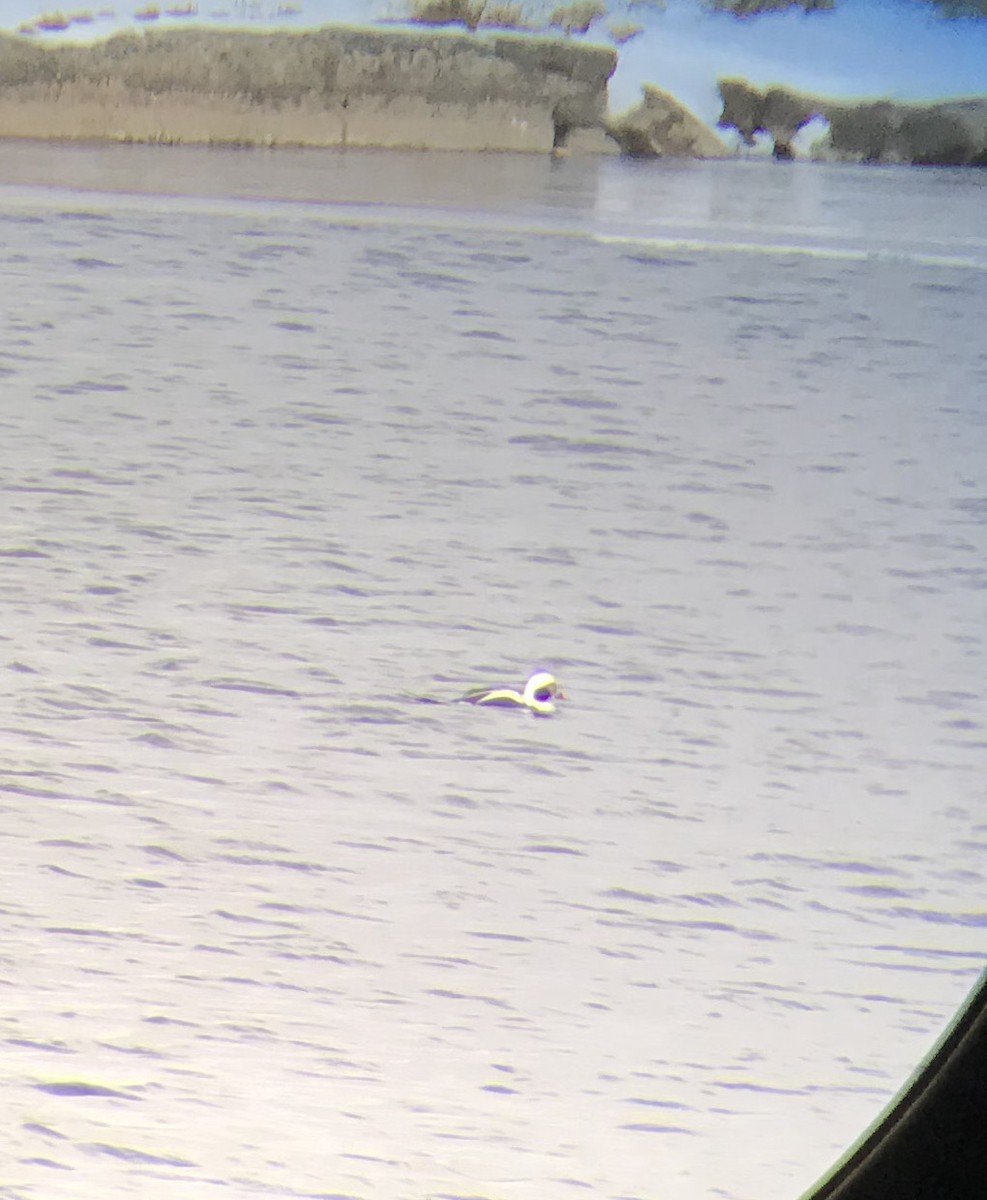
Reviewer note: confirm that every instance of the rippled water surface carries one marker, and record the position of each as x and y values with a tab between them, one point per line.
270	471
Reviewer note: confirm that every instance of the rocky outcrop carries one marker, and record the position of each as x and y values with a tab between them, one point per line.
328	87
660	126
776	111
950	133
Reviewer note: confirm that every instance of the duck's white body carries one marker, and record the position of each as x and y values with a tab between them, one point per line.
539	695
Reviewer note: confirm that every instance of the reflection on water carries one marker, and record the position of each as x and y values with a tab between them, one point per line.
270	472
935	216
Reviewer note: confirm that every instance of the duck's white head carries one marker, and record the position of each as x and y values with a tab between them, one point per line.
541	691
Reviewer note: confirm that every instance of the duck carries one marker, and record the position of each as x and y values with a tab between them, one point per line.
539	695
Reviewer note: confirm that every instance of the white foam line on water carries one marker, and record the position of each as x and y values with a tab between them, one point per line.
840	253
369	213
330	212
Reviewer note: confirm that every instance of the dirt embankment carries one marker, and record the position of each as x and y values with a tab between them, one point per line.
946	133
660	126
328	87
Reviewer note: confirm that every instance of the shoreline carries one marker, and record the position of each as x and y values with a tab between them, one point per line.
340	87
512	193
343	87
333	87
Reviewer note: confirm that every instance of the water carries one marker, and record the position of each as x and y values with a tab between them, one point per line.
706	440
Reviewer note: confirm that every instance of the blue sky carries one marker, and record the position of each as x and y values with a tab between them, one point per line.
896	48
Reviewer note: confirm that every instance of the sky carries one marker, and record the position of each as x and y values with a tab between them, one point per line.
895	48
